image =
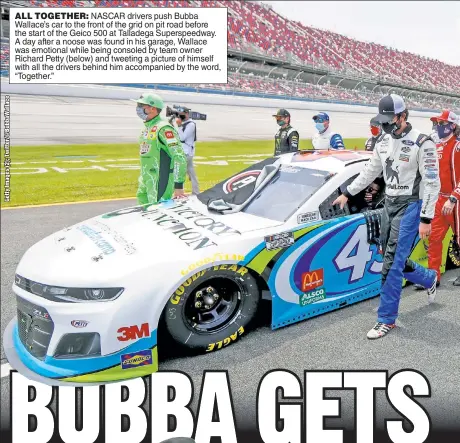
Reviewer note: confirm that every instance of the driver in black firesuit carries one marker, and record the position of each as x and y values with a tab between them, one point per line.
287	138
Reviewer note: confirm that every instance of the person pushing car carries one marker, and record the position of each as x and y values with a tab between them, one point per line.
447	212
163	161
410	169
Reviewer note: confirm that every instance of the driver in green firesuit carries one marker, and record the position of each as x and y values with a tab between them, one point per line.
163	161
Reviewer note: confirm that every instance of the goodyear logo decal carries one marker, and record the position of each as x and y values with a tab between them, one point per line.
136	359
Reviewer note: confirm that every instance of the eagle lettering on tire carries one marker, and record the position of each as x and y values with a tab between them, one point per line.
213	308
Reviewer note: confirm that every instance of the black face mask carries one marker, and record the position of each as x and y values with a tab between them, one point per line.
389	128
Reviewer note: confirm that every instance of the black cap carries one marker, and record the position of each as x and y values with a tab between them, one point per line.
375	122
389	106
282	113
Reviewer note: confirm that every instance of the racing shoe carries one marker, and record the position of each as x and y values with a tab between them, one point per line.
379	330
432	291
418	287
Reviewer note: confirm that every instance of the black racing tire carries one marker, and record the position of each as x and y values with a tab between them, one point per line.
453	254
225	312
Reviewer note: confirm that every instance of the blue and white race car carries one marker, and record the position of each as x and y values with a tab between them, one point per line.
94	299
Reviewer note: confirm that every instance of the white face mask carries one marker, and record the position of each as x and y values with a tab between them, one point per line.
140	111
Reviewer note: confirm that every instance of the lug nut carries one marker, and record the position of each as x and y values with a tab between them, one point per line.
198	304
199	293
216	296
209	290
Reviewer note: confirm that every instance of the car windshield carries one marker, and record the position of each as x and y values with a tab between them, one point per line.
286	192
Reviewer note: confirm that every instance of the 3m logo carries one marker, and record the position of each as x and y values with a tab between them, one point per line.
133	332
312	280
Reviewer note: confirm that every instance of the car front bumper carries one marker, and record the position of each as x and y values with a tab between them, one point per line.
78	371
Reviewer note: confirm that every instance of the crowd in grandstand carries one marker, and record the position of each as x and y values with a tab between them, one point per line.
256	28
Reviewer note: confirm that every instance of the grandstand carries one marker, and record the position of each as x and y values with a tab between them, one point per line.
271	55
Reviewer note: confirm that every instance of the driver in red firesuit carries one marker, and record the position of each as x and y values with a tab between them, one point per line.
447	212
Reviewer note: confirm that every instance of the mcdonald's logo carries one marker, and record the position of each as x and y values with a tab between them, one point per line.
312	280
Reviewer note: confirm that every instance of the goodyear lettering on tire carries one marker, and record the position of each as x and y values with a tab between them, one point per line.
179	292
226	341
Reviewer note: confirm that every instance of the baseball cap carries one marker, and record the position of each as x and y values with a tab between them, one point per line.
151	100
282	113
389	106
321	117
447	116
375	122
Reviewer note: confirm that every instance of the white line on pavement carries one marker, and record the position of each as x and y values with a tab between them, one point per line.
5	370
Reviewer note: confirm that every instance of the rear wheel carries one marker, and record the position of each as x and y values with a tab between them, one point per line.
213	308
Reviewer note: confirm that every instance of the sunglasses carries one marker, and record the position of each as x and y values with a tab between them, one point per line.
441	123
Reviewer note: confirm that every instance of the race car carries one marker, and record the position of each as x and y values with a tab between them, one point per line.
93	299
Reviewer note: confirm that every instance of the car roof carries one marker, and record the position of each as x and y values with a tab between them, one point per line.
331	160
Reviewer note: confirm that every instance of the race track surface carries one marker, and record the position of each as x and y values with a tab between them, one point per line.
37	120
427	338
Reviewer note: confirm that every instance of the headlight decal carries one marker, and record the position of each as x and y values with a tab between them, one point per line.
61	294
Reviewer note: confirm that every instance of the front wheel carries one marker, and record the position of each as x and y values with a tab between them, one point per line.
213	308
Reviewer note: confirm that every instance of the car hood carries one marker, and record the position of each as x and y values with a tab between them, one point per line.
135	238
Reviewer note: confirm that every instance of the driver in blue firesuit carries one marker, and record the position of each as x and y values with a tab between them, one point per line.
410	169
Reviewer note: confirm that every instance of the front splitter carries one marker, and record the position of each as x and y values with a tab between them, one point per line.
16	363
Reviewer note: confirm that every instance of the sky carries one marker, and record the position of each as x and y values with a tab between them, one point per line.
428	28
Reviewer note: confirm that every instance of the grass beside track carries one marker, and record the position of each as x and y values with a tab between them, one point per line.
72	173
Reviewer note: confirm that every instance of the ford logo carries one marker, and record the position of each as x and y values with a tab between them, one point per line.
79	323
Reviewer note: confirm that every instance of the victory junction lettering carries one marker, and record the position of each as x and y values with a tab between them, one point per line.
170	220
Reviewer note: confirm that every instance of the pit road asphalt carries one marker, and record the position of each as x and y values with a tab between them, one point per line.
427	338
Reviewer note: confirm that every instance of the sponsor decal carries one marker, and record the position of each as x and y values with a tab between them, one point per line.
169	134
38	313
136	359
430	161
144	134
144	148
175	218
97	239
408	142
79	323
179	292
405	149
390	172
118	238
192	237
312	279
431	175
217	257
133	332
404	158
312	297
240	181
226	341
307	217
289	169
400	187
430	154
152	133
277	241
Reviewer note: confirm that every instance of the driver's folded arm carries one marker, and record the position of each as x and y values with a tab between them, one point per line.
371	171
